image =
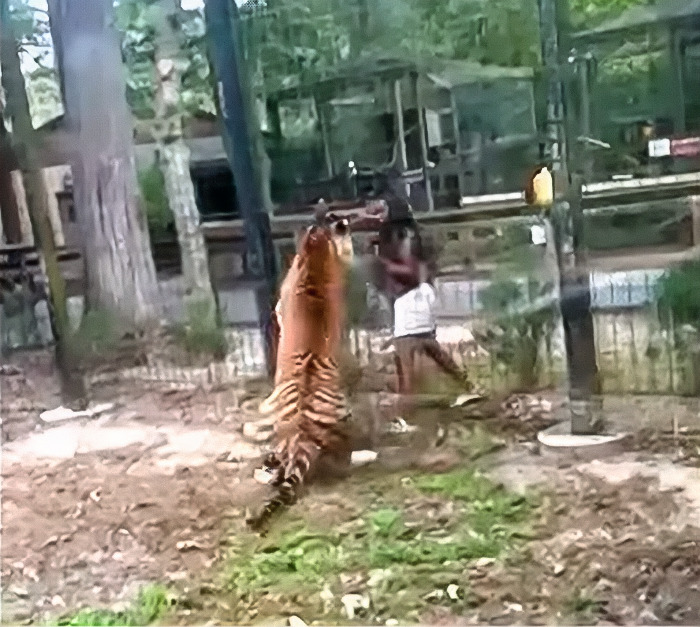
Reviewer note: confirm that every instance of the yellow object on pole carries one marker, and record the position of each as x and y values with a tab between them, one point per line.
540	189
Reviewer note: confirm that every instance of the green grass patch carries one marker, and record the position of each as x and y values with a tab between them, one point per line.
582	608
202	334
416	536
150	605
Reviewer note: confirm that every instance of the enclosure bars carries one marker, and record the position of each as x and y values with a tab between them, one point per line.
220	17
567	222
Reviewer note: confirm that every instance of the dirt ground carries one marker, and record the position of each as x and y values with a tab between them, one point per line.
156	490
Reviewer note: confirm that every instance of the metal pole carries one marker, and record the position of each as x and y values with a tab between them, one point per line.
220	23
567	219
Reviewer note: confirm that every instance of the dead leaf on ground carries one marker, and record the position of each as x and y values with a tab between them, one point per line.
189	545
50	542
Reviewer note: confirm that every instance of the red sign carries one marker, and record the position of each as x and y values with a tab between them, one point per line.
686	147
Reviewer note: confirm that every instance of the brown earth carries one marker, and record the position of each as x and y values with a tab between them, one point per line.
153	490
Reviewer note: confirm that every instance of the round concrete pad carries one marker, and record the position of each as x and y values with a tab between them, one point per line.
581	446
562	440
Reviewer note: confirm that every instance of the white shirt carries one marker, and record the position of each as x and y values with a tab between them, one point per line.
413	312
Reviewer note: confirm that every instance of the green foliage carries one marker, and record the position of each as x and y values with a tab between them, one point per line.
202	335
678	294
485	522
500	32
31	28
517	327
589	13
155	200
151	605
299	558
502	296
135	21
138	51
296	43
583	608
99	333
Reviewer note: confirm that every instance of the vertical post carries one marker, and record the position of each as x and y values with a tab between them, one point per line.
9	210
401	132
325	137
219	17
549	35
676	43
567	217
423	141
695	217
461	184
584	69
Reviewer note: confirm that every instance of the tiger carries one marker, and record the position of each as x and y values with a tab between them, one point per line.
342	237
310	408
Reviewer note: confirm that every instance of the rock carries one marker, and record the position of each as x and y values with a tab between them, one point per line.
377	576
295	621
361	458
262	476
19	591
353	602
243	452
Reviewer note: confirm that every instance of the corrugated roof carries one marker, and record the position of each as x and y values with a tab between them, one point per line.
642	15
449	74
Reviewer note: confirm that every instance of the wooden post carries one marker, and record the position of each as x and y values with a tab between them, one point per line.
325	137
401	132
11	225
461	183
695	214
273	116
675	42
423	142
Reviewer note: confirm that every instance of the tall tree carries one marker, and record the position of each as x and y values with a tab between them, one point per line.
25	147
119	268
9	210
174	160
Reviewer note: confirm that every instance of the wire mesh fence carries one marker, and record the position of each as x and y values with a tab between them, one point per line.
637	351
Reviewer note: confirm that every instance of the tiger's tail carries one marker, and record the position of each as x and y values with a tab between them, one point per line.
301	454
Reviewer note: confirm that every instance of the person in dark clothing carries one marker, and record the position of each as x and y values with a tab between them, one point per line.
408	281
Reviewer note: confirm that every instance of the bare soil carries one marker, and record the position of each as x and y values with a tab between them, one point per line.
155	490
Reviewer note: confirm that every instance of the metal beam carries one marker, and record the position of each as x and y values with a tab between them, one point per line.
567	222
234	107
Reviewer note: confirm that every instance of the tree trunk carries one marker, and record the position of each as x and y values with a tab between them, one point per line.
72	385
119	269
11	225
199	296
174	153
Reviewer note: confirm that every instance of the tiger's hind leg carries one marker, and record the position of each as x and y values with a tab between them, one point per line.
271	471
286	496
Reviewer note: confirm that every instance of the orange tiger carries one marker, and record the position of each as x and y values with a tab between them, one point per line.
308	403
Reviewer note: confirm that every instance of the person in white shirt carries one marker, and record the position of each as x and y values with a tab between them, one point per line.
414	333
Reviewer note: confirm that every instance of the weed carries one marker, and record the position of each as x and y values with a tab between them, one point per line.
98	333
299	557
409	552
583	608
150	605
155	201
201	335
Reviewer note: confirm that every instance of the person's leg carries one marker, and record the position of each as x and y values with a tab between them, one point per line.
431	347
405	351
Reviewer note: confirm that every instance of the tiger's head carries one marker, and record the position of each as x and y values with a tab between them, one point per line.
318	259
